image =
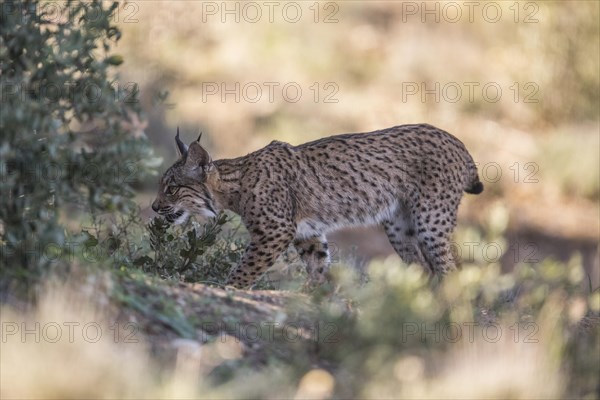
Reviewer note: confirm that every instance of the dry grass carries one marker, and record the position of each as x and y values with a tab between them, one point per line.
390	339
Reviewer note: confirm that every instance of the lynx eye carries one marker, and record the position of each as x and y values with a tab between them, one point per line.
172	190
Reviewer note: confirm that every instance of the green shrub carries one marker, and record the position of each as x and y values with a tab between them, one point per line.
68	130
193	254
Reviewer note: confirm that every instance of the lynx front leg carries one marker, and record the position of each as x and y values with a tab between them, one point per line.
267	242
315	255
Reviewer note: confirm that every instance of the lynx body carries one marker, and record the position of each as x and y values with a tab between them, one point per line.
409	179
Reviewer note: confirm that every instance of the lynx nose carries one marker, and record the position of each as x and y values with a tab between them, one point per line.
155	206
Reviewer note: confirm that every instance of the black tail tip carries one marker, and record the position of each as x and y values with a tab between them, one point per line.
476	188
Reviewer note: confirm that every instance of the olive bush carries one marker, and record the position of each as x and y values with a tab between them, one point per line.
70	141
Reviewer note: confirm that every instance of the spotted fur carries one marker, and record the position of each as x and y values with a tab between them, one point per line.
408	179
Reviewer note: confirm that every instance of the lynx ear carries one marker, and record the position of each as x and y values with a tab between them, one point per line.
197	156
182	149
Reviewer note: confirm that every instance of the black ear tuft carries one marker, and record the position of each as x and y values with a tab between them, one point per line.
199	137
181	148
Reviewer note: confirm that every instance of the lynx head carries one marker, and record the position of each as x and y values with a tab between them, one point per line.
185	189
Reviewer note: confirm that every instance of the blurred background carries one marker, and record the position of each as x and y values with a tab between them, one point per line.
517	82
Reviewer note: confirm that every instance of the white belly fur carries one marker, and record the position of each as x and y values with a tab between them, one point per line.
308	227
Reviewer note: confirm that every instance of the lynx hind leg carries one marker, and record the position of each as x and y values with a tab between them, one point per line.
314	252
434	223
402	235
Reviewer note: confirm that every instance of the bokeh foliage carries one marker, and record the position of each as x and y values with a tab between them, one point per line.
66	144
532	333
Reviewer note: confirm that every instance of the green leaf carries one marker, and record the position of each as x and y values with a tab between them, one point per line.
115	60
144	260
91	240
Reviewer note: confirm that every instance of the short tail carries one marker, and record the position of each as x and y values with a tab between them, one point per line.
475	188
474	185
